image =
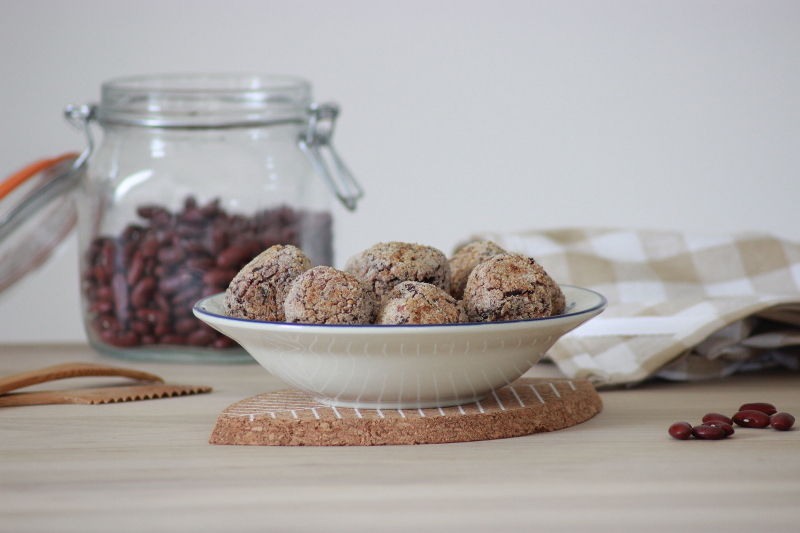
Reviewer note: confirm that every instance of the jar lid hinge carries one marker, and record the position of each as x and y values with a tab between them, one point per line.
313	144
80	117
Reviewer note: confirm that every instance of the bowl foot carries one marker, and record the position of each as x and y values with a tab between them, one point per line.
434	404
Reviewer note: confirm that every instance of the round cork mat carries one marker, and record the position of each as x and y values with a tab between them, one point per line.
290	417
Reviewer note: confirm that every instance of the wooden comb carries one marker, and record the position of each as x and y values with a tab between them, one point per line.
157	388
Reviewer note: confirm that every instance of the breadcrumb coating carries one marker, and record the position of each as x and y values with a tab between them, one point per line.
384	265
508	287
324	295
467	258
413	302
257	292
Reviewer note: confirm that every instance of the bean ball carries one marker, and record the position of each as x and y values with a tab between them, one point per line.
413	302
324	295
467	258
384	265
258	291
506	287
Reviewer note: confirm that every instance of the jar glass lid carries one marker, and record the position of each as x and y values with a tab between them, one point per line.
36	213
204	100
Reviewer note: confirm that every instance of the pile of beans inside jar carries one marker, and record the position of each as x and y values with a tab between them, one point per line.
718	426
140	286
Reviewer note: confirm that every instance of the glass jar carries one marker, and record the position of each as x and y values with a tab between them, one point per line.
196	175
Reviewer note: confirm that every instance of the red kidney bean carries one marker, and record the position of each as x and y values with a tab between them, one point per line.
101	306
142	291
132	232
107	261
233	255
140	326
161	217
781	421
104	292
105	322
165	237
205	326
707	432
176	282
99	274
126	339
193	215
140	286
153	316
121	301
149	247
195	248
200	337
161	271
127	253
188	294
189	230
172	338
751	419
147	211
182	311
219	240
136	268
169	255
186	325
716	416
680	430
222	342
161	302
766	408
162	329
218	278
201	264
727	428
212	290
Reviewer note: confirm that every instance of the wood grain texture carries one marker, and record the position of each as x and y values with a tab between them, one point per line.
148	466
293	418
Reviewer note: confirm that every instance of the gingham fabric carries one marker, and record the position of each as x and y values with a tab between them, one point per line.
680	307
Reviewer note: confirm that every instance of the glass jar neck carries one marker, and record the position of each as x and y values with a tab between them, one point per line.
204	101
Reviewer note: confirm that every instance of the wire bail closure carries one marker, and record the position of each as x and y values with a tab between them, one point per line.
322	118
79	117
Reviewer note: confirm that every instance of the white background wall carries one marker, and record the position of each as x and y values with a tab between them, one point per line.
458	116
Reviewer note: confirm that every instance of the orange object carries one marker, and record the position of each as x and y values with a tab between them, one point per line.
15	180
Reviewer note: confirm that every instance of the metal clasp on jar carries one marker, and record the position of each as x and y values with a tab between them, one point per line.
80	117
314	143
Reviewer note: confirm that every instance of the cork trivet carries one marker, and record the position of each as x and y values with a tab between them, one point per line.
289	417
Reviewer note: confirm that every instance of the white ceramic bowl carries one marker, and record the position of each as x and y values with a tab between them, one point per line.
401	367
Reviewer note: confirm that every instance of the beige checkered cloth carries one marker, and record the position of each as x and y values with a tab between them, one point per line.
680	307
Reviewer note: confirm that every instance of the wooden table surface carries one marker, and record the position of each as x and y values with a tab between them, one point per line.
147	466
